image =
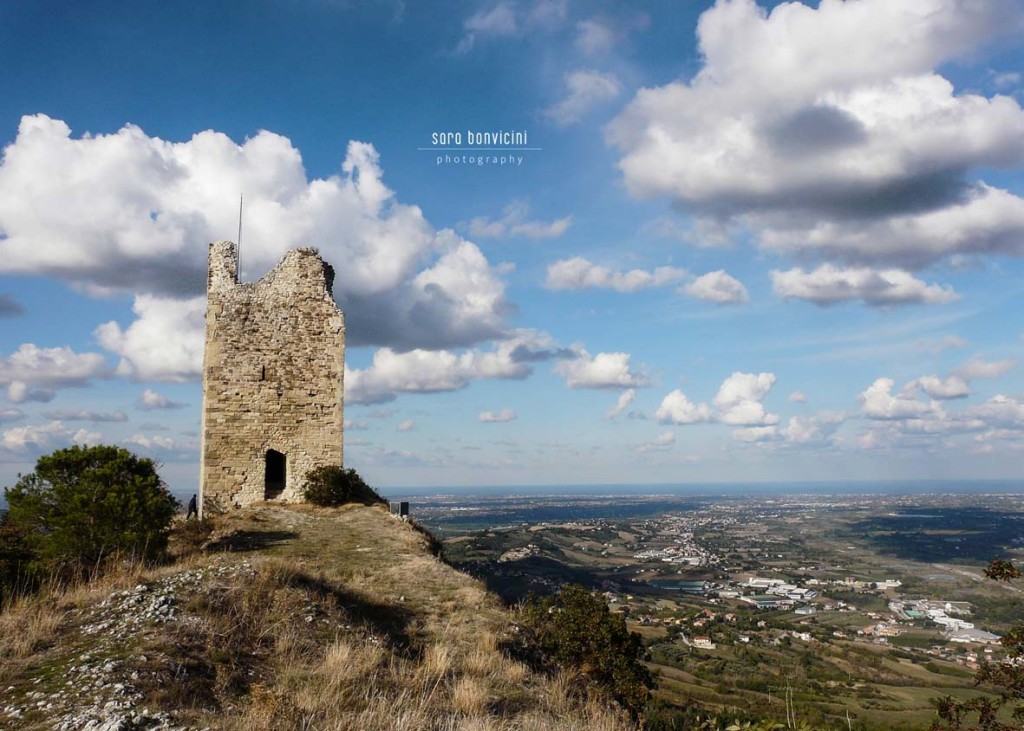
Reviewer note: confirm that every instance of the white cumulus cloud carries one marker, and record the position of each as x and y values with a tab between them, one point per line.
825	129
126	212
944	388
739	399
676	408
35	439
999	411
604	370
150	400
979	220
147	349
877	401
829	285
18	392
958	383
756	434
84	437
718	287
151	442
435	371
799	432
816	429
579	273
32	373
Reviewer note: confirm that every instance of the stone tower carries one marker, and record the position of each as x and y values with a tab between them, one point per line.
273	379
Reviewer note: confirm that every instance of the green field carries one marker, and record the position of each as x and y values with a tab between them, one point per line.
836	676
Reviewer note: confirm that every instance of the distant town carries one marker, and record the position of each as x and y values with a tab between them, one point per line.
805	583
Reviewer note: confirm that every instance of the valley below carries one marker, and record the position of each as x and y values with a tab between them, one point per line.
842	611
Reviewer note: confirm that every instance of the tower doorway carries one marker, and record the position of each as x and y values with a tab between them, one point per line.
276	469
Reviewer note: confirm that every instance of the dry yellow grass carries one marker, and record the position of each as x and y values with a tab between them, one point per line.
470	695
29	623
438	661
347	661
340	620
483	663
27	627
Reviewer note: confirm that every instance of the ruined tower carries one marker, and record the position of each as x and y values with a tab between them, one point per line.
273	374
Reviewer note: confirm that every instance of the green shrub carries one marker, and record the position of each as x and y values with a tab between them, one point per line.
16	577
574	630
85	503
333	485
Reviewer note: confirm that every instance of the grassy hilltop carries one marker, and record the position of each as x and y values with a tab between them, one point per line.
286	617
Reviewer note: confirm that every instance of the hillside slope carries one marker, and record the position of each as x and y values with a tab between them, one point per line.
292	617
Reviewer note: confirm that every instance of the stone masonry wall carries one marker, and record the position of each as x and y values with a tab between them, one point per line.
272	376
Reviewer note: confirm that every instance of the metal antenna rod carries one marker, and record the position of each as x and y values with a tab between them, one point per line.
238	246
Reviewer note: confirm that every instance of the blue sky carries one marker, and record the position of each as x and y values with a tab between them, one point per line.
758	241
